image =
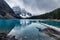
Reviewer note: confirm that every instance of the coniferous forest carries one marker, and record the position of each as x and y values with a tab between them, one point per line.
55	14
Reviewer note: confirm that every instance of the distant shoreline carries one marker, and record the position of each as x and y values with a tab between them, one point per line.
56	20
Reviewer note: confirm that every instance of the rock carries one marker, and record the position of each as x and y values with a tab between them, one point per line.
50	30
13	38
52	33
39	29
3	36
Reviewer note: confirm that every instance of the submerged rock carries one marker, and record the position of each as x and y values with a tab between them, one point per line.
52	33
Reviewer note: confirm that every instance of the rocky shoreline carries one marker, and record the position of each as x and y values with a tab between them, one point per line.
56	20
3	36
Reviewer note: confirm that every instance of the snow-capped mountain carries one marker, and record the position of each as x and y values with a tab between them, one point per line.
25	14
22	12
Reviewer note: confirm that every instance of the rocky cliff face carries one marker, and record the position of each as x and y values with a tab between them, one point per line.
21	12
6	12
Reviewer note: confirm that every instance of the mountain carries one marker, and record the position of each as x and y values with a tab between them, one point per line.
25	14
6	12
22	12
55	14
17	10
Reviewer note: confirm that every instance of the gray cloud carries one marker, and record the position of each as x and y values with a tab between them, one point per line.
42	4
37	6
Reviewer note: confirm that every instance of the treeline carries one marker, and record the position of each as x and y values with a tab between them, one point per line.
55	14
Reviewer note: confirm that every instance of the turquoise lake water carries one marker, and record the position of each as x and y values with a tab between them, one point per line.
9	24
26	29
53	23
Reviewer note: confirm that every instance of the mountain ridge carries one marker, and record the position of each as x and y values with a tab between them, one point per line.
6	12
22	12
55	14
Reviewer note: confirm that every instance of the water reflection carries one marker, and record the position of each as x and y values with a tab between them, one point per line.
28	30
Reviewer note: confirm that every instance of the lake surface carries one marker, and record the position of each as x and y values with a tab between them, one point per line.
26	29
53	23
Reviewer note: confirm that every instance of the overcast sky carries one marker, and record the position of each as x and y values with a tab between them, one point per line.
36	7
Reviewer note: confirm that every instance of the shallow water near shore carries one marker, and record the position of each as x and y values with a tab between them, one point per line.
25	29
